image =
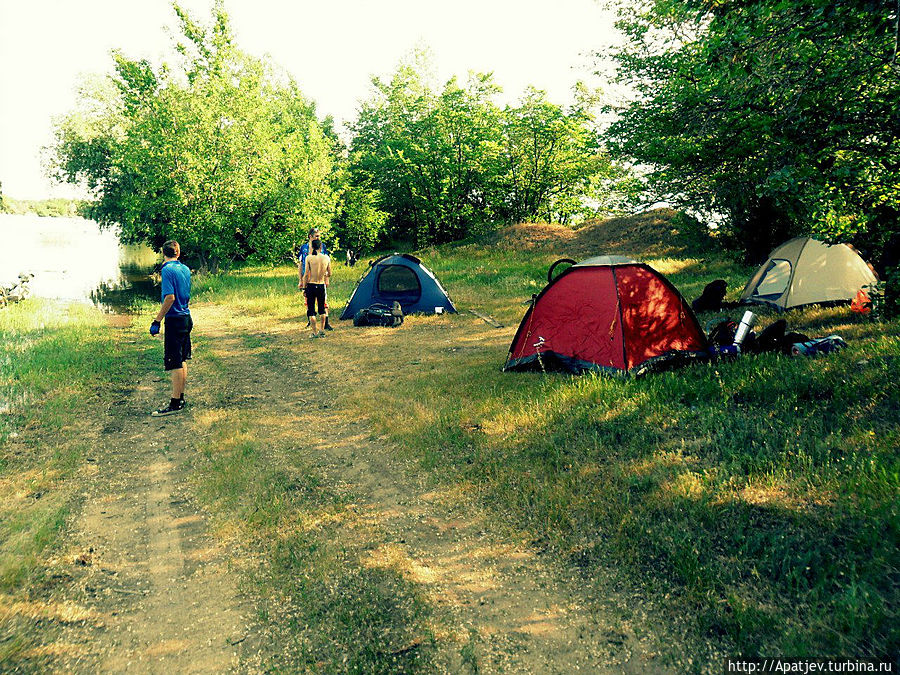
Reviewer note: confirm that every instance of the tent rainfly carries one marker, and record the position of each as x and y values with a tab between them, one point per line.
804	271
608	314
399	278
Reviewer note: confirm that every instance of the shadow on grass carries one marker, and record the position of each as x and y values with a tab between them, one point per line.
763	491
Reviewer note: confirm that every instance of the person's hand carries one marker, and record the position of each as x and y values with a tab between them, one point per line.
154	328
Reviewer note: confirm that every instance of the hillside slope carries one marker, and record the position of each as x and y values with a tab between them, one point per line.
654	234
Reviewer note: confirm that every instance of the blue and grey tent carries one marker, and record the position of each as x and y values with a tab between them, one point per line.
399	278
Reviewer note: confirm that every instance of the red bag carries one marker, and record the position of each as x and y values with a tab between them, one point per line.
862	303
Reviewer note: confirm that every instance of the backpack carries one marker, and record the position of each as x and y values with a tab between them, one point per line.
379	315
723	333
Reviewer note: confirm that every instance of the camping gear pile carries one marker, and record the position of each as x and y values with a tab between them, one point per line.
726	337
379	315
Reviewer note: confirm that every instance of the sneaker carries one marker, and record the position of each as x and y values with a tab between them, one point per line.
317	335
171	409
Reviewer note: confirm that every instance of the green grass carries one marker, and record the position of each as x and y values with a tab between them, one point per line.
53	360
759	495
321	609
60	366
757	498
763	492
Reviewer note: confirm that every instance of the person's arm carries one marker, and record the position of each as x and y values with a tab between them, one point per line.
328	272
301	268
305	279
167	303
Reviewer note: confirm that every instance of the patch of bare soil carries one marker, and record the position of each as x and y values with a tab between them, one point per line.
152	588
650	234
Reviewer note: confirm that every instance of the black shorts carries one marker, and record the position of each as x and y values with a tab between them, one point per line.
315	295
177	341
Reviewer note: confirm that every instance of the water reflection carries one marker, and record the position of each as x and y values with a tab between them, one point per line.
72	259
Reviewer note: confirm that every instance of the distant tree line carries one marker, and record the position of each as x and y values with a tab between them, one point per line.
771	117
222	151
51	208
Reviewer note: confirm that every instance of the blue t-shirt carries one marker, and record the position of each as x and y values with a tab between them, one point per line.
304	251
176	280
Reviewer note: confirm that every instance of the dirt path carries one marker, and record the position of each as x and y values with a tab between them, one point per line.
506	607
157	594
155	589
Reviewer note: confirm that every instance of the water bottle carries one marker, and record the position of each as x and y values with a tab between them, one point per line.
744	327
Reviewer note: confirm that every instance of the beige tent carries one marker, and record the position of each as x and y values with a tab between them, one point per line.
805	271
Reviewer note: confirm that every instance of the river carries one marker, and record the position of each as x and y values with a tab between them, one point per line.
72	259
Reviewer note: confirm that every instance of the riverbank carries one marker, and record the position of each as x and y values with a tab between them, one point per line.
389	499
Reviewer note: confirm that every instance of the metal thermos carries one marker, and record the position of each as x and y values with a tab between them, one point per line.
744	327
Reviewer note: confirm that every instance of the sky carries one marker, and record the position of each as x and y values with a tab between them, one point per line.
331	47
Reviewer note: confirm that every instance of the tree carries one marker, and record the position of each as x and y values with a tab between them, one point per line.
360	223
221	152
782	116
449	163
553	161
420	150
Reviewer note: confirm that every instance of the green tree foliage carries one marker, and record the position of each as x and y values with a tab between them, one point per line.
220	151
48	208
553	163
447	162
360	223
780	115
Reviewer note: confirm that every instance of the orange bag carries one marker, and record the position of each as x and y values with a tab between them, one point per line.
861	304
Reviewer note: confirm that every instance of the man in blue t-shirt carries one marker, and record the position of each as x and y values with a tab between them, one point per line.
176	293
301	267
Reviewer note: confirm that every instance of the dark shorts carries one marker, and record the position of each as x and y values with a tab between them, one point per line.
315	295
177	340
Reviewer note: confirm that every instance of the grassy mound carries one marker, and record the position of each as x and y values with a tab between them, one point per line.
658	233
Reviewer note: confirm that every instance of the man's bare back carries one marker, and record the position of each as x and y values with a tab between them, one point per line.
318	269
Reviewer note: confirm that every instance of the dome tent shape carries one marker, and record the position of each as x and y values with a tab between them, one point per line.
805	271
609	314
399	278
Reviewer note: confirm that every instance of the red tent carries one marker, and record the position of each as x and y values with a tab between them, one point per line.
607	313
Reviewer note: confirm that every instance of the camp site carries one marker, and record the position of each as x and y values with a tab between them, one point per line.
331	342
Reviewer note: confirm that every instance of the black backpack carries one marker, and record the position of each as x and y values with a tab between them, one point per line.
723	333
379	315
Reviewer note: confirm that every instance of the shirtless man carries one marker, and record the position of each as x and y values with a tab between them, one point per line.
315	279
302	255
